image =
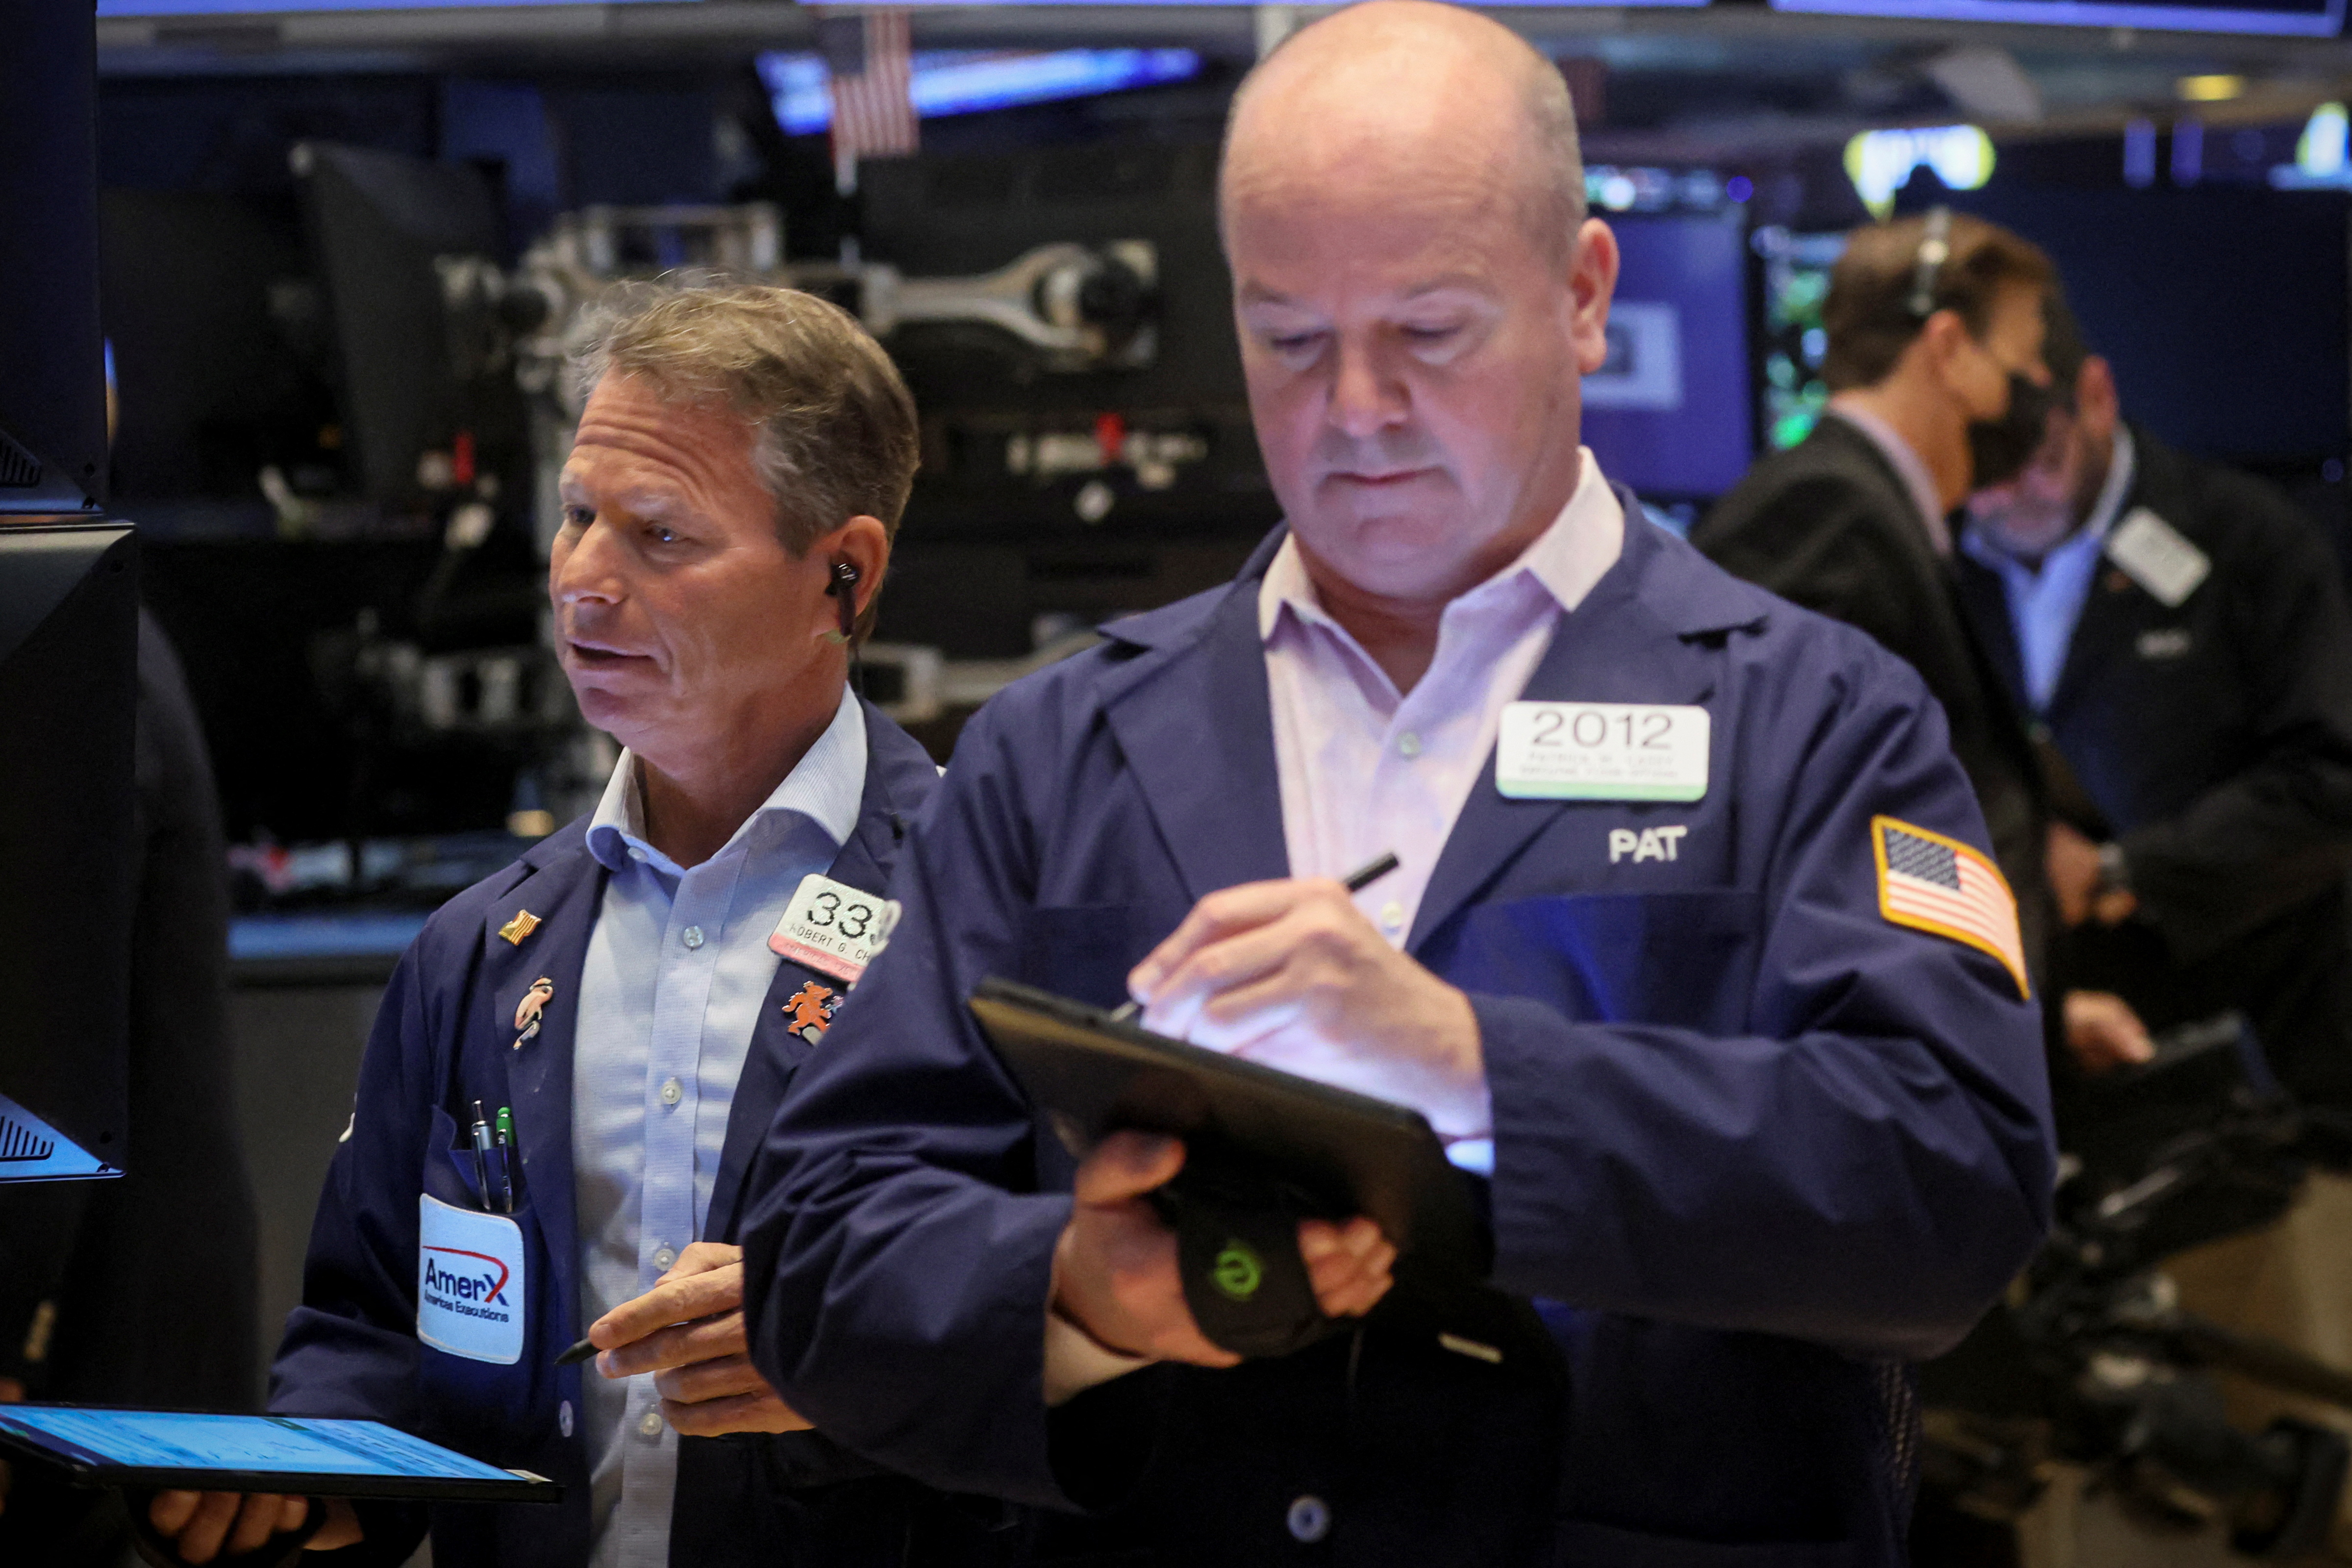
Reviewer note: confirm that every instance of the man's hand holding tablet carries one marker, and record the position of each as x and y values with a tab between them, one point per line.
202	1526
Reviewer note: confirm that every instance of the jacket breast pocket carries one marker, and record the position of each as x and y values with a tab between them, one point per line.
1686	958
1581	1544
472	1396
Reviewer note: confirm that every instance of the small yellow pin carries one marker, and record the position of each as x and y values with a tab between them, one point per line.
521	926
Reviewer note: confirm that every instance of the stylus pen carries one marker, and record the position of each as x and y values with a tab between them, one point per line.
1355	882
482	1153
577	1354
507	1154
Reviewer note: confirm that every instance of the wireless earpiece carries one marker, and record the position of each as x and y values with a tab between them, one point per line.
844	588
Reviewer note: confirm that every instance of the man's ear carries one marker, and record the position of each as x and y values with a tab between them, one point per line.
1942	348
2097	401
863	545
1592	284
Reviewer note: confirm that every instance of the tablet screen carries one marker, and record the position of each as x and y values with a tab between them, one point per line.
261	1445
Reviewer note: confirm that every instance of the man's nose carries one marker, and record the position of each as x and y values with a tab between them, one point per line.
590	570
1366	396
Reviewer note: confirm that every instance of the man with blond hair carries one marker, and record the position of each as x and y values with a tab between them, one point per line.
1751	1127
627	1000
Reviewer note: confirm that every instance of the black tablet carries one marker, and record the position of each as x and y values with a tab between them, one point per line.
302	1456
1092	1073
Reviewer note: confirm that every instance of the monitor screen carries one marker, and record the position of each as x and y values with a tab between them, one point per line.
2307	18
1143	3
237	7
52	384
1669	412
1794	341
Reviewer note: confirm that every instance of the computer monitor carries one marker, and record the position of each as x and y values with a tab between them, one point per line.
69	687
1669	412
2273	19
69	629
378	223
52	380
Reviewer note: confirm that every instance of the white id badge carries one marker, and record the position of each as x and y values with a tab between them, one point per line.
835	928
469	1282
2153	553
1601	751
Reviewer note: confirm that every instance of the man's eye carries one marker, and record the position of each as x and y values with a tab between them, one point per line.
578	517
661	535
1292	342
1429	334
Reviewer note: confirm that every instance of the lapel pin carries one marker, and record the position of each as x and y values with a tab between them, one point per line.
526	1011
521	925
811	1011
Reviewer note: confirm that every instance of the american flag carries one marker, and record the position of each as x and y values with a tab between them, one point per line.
1930	882
869	60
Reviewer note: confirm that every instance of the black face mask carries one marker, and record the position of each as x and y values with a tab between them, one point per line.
1998	449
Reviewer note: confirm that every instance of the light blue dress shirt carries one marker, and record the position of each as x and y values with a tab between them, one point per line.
676	970
2045	603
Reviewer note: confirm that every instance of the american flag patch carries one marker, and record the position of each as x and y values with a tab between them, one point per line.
1930	882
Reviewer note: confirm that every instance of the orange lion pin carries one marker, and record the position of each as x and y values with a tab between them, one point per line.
811	1010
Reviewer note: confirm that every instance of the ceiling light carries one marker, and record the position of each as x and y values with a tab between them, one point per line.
2210	89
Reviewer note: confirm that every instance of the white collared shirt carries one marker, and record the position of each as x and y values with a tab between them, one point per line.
676	970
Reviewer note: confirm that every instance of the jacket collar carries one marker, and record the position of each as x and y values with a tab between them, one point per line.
899	775
1632	641
562	887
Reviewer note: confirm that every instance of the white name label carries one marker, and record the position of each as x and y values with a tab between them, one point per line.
2154	555
1601	751
469	1282
835	928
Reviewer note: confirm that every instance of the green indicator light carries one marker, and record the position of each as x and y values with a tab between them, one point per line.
1238	1271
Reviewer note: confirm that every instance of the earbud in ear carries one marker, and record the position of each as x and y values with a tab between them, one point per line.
843	589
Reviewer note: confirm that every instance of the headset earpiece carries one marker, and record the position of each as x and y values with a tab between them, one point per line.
844	588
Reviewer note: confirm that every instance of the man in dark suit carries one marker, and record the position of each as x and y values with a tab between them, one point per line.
2178	636
1934	366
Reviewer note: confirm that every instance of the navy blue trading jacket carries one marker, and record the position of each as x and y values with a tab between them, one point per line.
445	1038
1757	1146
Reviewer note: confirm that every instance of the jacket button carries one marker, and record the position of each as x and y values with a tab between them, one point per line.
1309	1520
563	1417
